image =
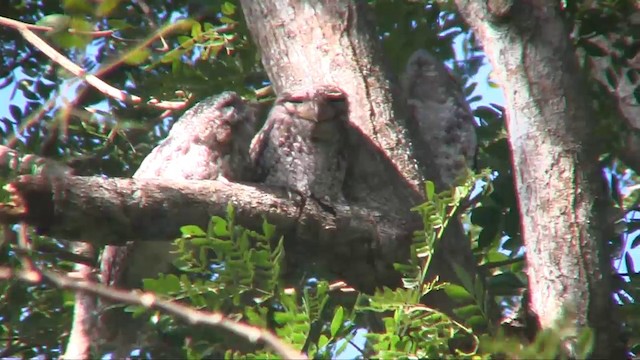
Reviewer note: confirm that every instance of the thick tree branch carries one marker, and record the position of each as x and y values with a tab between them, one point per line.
213	319
114	211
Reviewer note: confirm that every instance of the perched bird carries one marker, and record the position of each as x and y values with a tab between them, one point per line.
439	120
302	144
209	141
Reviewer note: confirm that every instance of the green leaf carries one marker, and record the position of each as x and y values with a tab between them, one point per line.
487	236
228	8
171	283
322	341
219	226
336	323
463	276
267	229
231	214
192	230
467	311
430	190
16	112
200	241
477	322
457	293
196	30
172	55
227	20
58	22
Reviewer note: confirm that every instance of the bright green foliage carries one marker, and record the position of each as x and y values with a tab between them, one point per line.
411	328
238	272
227	268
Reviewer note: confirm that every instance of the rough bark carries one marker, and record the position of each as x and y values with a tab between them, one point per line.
114	211
560	189
311	43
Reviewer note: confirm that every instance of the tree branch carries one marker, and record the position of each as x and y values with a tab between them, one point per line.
213	319
114	211
76	70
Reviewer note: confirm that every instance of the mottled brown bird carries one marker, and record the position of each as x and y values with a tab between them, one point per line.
439	120
302	144
210	141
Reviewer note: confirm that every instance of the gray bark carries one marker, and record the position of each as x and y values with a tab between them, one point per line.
560	189
114	211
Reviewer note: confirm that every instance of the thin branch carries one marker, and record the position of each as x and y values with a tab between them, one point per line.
17	24
214	319
147	12
76	70
94	81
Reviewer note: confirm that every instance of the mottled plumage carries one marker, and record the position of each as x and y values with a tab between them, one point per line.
209	141
302	144
440	121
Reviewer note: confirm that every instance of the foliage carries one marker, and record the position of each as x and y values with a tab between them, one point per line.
237	270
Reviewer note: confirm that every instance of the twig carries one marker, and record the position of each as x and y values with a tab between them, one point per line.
214	319
76	70
147	12
17	24
94	81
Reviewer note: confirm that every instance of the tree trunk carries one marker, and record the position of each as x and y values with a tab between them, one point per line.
561	192
311	43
